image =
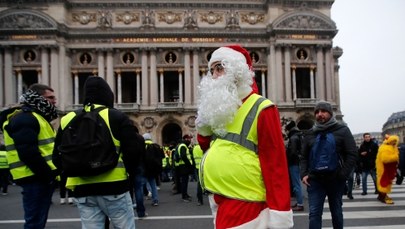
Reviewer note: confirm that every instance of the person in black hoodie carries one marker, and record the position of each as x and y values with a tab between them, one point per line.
106	195
293	154
367	156
29	139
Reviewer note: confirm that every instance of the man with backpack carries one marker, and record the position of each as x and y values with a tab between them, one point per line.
105	193
329	155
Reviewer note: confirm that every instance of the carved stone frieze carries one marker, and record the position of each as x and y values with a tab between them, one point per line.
253	18
127	17
24	20
83	17
169	17
232	20
148	19
104	19
304	22
211	18
190	19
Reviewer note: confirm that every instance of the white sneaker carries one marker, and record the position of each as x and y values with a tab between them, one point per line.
70	200
62	201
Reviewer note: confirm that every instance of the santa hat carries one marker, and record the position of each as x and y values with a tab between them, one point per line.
237	52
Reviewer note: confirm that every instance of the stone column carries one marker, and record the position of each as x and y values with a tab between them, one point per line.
312	81
44	66
100	65
145	84
19	83
272	81
119	87
187	77
39	76
294	83
138	86
153	79
110	70
328	75
162	86
76	87
320	76
279	75
263	77
180	85
287	69
9	79
54	77
196	76
64	76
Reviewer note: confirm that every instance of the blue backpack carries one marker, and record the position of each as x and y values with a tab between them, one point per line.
323	156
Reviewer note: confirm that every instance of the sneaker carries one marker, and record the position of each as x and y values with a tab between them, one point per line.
62	201
143	217
187	199
4	193
70	200
155	204
364	193
298	208
149	196
200	203
350	196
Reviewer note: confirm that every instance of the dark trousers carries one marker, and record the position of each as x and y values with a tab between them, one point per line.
37	198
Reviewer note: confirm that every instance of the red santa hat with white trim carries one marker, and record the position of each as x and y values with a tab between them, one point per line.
237	52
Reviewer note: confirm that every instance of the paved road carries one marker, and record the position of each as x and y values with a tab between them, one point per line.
362	212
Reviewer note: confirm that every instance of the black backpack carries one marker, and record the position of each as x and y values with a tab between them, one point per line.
87	148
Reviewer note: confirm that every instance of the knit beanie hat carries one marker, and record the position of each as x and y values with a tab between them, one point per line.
235	52
323	105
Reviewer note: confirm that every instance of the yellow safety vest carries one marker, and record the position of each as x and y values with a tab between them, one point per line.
181	162
3	160
119	173
46	138
231	166
198	154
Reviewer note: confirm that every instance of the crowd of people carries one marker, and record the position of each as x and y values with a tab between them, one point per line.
240	158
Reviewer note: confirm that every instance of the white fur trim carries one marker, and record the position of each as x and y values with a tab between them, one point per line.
224	53
270	219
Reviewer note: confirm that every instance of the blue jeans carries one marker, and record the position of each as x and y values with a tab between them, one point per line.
151	186
94	209
294	171
140	181
317	192
37	198
364	175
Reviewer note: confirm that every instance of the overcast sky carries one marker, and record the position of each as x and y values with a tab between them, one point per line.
372	67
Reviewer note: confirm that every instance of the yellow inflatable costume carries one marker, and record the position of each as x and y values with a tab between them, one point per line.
386	165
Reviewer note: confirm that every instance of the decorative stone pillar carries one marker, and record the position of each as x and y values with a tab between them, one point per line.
180	85
312	81
272	82
145	84
76	87
196	76
100	65
110	70
287	77
44	79
39	76
279	75
263	78
63	76
19	83
328	75
162	86
54	77
320	76
153	79
294	83
187	77
138	86
119	86
9	79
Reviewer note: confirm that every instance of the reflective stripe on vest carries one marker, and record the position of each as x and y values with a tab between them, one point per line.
231	166
197	154
3	160
181	162
46	137
119	173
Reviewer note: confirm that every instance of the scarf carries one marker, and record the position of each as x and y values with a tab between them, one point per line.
39	103
319	127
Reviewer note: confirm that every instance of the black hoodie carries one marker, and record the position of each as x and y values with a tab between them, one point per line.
97	91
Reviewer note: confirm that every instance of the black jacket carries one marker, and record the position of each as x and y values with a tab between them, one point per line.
367	162
24	129
293	146
345	147
132	146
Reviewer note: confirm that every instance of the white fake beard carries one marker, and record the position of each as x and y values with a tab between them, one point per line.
219	102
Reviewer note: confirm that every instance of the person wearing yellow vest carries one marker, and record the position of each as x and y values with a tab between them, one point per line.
245	166
4	170
29	140
105	196
198	154
184	166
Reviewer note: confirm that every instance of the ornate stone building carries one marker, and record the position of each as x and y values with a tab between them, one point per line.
153	53
396	125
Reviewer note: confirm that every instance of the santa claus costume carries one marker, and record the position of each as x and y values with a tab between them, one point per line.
245	167
386	165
